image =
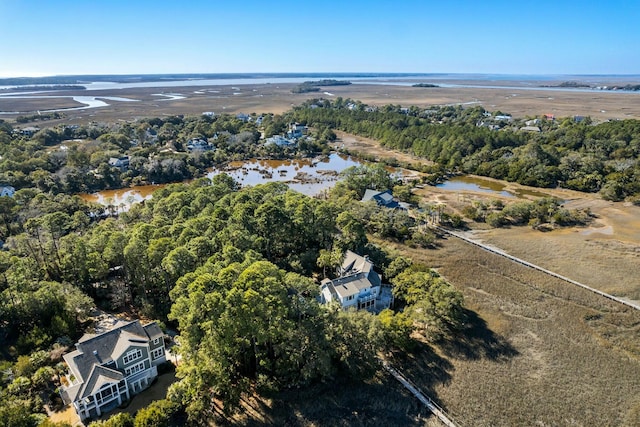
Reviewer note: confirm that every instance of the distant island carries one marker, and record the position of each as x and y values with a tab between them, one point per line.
569	84
424	85
45	88
633	88
314	86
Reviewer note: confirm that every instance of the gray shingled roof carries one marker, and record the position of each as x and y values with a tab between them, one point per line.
94	351
356	273
99	377
153	330
99	349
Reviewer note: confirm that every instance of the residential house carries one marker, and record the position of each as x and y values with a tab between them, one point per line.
29	130
107	369
121	163
243	117
382	198
199	144
296	130
7	190
535	129
280	141
357	286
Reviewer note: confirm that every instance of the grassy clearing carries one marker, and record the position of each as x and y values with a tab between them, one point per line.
539	351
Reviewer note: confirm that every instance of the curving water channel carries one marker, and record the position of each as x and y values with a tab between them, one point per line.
480	185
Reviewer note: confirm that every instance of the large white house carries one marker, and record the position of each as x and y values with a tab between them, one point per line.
357	286
109	368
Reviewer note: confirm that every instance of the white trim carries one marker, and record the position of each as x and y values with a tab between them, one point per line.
132	370
132	355
157	353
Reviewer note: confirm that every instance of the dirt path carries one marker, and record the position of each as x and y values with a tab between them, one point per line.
370	147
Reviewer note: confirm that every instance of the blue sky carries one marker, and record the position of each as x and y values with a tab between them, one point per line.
50	37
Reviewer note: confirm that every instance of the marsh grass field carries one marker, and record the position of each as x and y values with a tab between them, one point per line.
517	99
537	351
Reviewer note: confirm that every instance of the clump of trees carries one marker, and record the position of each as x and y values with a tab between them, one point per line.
314	86
545	211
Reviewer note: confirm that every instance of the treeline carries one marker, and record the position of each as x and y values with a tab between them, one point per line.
592	158
40	116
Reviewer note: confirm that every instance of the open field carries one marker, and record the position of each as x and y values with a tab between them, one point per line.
537	351
277	98
33	105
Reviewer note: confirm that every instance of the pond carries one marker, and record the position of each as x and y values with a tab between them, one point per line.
310	176
470	183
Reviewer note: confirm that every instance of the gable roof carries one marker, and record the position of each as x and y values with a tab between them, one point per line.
99	376
355	274
352	285
92	350
382	198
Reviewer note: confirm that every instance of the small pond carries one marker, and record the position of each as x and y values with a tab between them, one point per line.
469	183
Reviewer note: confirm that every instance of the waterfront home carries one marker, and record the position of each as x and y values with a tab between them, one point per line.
121	163
280	141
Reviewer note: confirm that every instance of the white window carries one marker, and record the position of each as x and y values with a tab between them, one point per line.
134	369
157	353
156	341
132	355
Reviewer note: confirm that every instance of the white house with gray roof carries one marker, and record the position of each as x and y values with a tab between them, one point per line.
357	286
108	368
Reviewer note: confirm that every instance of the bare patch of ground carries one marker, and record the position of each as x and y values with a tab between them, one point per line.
66	415
370	147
